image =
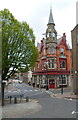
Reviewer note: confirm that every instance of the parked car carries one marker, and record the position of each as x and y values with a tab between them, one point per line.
20	81
15	81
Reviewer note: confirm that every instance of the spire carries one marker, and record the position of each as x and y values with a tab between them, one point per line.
51	20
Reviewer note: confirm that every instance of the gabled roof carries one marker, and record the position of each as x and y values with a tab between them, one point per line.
62	41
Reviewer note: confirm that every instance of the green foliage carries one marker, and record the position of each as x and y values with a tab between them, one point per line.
18	45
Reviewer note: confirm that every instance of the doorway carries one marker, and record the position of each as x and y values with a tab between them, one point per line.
51	83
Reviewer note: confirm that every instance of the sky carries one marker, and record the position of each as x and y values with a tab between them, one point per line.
36	14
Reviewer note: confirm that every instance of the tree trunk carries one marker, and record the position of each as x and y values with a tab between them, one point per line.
3	85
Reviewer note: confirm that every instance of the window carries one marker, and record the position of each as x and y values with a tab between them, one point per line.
52	63
62	64
51	50
43	65
61	51
38	65
62	79
49	63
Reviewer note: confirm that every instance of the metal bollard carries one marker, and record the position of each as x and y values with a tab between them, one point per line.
15	100
27	99
10	99
20	98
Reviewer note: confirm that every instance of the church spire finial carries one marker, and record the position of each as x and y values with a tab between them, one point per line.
51	20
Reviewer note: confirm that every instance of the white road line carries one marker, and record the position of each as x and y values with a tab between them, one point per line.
18	90
9	91
30	90
37	93
70	99
49	92
25	90
73	112
36	90
15	91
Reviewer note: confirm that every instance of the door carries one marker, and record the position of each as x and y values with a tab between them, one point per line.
51	83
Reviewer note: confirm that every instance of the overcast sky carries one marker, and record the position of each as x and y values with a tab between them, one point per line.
36	14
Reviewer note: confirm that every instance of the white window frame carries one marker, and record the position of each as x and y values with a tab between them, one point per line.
52	63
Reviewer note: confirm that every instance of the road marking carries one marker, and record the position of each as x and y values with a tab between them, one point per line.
25	90
9	91
73	112
49	92
14	91
36	94
18	90
30	90
34	100
70	99
36	90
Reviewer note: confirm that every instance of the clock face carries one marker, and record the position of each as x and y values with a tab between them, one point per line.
47	34
53	34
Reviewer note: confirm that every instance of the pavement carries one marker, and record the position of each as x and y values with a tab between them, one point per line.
20	110
65	95
14	110
68	95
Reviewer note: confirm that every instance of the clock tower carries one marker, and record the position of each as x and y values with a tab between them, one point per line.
51	35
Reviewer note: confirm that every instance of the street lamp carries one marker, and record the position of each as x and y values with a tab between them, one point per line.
46	76
62	86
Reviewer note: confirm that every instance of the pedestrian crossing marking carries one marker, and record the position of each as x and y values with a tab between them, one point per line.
36	90
30	90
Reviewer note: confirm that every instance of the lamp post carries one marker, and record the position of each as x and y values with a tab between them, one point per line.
62	86
46	76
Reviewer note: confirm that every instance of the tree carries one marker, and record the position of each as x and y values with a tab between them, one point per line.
18	45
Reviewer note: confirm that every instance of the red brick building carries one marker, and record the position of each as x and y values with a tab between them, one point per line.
54	62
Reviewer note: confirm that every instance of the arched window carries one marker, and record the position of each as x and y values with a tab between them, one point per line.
62	64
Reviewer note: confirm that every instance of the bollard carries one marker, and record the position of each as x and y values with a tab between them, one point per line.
10	99
15	100
22	95
27	99
20	98
8	96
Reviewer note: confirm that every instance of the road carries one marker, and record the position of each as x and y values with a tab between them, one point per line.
51	107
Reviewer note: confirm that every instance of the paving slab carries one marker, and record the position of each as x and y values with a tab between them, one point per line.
20	110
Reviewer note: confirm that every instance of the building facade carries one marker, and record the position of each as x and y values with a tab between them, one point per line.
54	62
74	36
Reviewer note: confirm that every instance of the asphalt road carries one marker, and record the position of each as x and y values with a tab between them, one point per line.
51	107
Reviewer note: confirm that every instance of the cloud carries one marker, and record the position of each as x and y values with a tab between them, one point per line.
36	14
